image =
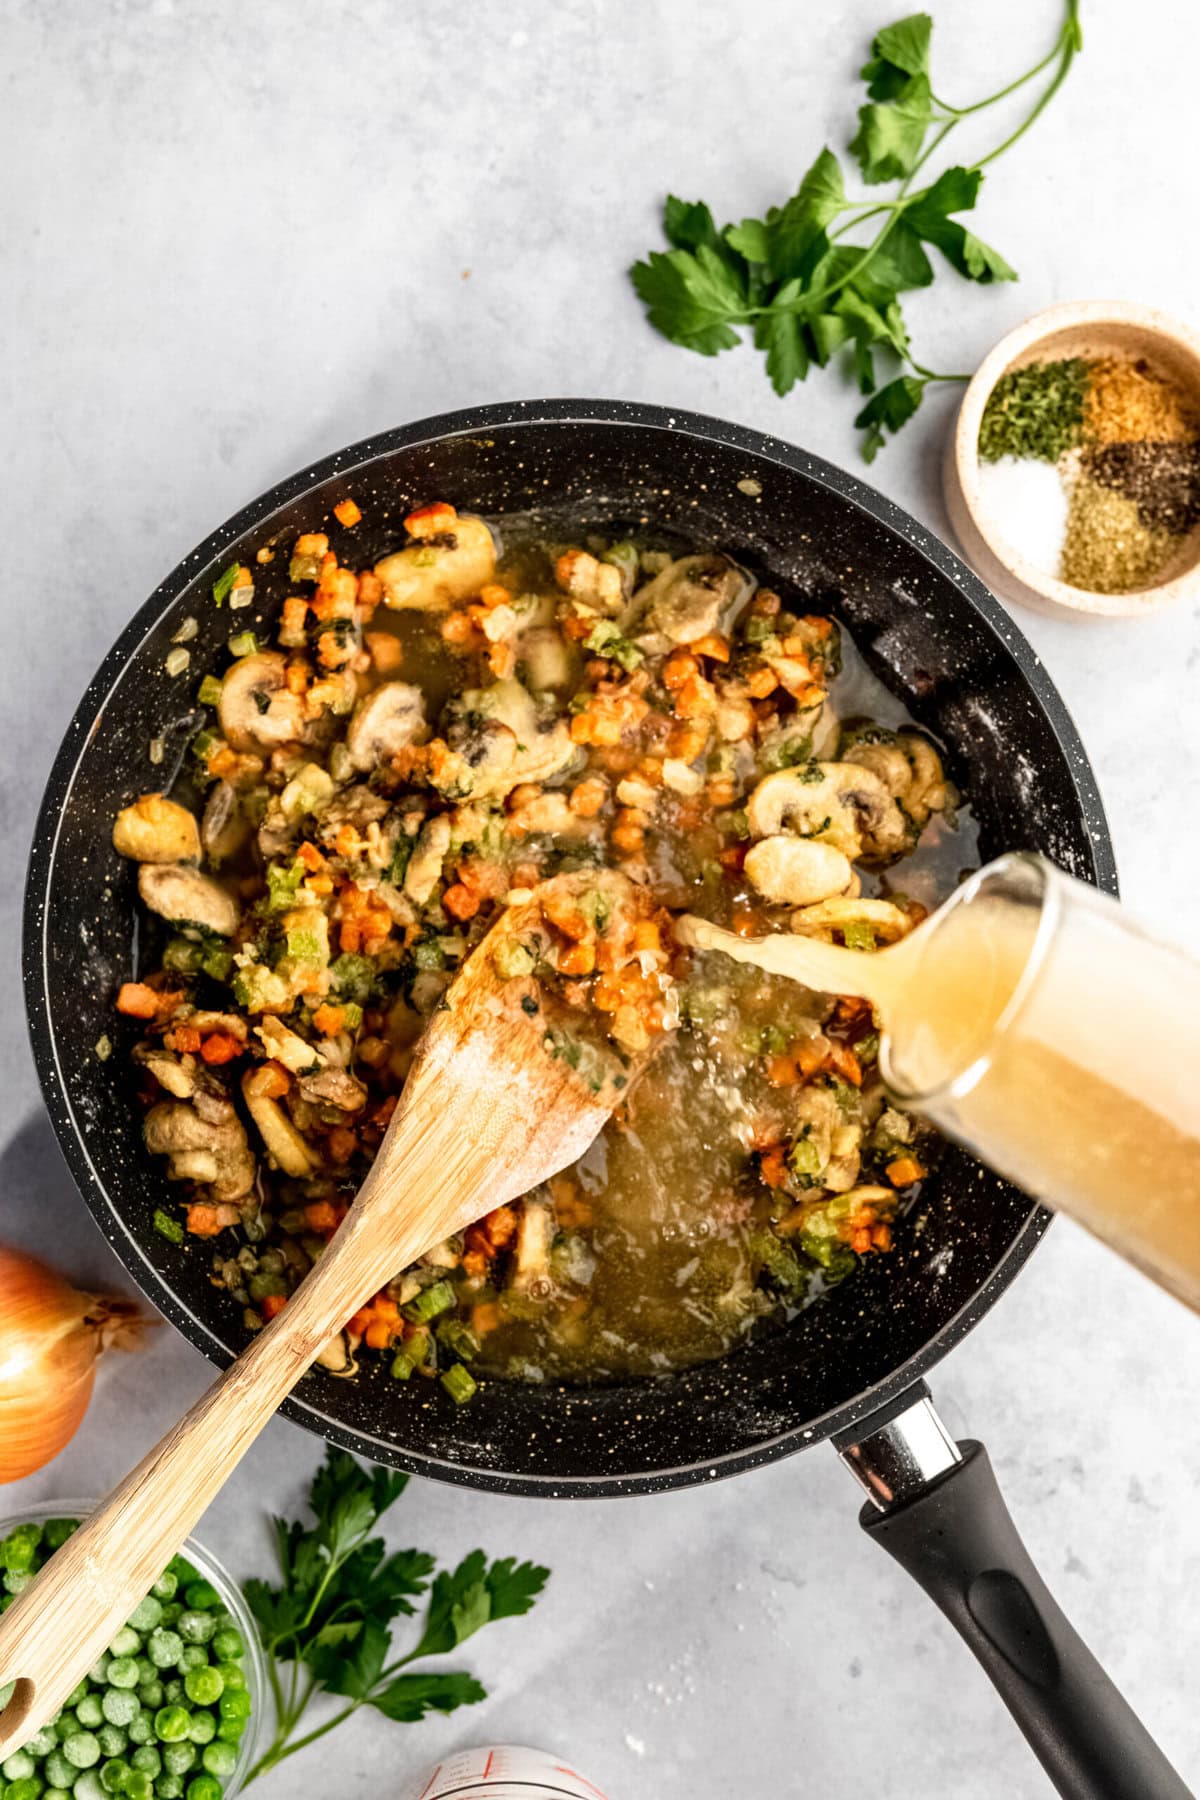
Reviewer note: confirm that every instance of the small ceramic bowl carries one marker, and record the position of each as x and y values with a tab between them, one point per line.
206	1564
1090	328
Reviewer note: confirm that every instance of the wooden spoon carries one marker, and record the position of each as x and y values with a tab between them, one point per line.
498	1100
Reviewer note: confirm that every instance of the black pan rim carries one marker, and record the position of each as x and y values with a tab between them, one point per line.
343	462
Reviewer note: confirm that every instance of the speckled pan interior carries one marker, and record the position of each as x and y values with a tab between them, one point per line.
927	627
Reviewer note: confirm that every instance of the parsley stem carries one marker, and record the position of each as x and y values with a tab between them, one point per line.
962	112
1070	44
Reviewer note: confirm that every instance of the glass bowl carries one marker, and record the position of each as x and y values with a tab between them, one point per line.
206	1564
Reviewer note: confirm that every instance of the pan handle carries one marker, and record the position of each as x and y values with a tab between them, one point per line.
936	1507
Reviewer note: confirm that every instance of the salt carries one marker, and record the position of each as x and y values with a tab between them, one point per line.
1026	503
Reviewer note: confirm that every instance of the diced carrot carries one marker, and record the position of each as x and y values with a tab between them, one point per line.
881	1236
811	1054
220	1047
347	840
774	1166
845	1063
819	627
329	1020
461	902
474	1264
577	959
860	1240
370	592
782	1071
500	1225
221	761
342	1143
347	512
311	857
270	1081
680	667
766	604
721	790
378	1334
628	838
713	645
320	1216
271	1305
137	1000
387	652
385	1308
764	681
185	1039
904	1170
358	1324
296	675
311	543
485	1317
203	1220
647	935
459	628
432	520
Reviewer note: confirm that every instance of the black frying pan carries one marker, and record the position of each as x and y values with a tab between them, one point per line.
849	1368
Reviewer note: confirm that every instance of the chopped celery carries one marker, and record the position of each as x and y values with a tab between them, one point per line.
243	643
209	691
459	1383
512	960
458	1338
858	936
166	1226
429	1303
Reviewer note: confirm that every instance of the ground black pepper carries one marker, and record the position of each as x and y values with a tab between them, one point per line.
1163	480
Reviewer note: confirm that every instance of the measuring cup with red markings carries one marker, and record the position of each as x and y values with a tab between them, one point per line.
505	1772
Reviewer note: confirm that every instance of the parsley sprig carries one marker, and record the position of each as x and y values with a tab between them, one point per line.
325	1624
807	293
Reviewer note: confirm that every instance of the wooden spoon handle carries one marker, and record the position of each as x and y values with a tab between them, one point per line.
63	1622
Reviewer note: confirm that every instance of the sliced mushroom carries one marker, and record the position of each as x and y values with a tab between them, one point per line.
441	566
911	770
600	587
384	722
334	1087
497	737
424	869
692	598
547	660
882	917
335	1357
225	828
287	1046
838	803
174	1073
257	710
186	897
283	1143
214	1153
790	871
156	830
535	1234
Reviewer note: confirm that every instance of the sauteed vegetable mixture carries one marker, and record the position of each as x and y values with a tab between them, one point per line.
411	744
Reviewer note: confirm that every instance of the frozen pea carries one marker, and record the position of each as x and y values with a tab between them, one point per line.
42	1743
126	1643
169	1787
192	1656
114	1774
203	1686
173	1691
163	1647
57	1770
204	1787
171	1612
17	1766
230	1730
87	1786
235	1705
196	1627
219	1759
202	1595
56	1793
233	1675
64	1725
81	1750
98	1673
122	1672
147	1614
150	1693
112	1740
227	1645
120	1707
203	1728
171	1723
76	1695
165	1587
89	1712
182	1570
147	1759
28	1788
179	1758
141	1729
138	1785
57	1531
16	1581
146	1669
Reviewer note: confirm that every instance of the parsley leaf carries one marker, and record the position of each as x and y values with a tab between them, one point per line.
797	277
889	409
409	1697
338	1594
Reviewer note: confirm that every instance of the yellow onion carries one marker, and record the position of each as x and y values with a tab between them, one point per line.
50	1337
